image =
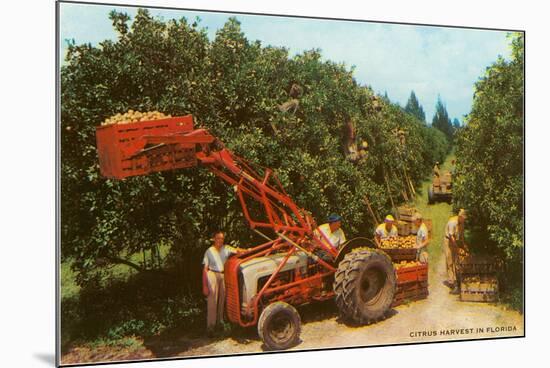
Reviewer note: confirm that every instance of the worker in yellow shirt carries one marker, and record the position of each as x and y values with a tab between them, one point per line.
385	230
332	232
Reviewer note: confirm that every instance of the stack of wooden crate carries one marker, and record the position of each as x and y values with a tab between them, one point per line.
405	224
412	282
478	277
405	213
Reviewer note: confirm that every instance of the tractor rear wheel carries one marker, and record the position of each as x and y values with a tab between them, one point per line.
279	326
364	285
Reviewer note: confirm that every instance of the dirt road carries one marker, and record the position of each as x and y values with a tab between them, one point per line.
439	317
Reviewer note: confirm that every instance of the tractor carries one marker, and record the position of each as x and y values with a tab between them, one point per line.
441	189
294	266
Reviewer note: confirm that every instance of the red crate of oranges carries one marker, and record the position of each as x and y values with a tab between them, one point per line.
123	150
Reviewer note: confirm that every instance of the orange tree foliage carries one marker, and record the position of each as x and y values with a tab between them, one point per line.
490	160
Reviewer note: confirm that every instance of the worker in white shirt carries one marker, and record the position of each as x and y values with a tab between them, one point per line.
454	239
422	238
213	284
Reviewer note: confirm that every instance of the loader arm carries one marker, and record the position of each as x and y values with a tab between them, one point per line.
149	145
142	148
285	218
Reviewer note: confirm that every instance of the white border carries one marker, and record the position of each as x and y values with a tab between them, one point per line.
27	154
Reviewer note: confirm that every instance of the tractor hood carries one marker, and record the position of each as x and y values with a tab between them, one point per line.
257	268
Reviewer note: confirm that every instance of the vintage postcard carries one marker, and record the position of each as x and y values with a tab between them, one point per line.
239	183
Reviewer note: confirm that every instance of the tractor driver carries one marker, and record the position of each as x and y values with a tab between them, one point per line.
213	285
385	230
332	231
332	234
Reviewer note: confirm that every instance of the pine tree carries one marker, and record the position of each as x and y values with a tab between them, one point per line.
441	119
414	108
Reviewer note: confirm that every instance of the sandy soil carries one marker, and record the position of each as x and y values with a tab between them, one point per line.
440	317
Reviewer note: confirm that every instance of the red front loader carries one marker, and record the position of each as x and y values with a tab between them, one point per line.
295	266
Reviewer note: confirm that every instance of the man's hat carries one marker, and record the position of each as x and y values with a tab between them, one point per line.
334	218
462	213
389	218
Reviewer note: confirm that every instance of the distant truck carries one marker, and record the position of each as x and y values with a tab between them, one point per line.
441	189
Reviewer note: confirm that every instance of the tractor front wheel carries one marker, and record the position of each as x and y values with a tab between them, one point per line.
279	326
365	285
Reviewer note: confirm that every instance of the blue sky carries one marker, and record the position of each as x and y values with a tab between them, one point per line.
391	58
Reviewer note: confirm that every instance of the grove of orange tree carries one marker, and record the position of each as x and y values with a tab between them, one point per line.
234	87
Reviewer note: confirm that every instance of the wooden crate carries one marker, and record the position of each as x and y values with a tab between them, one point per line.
480	283
446	179
405	287
404	228
400	254
405	213
406	218
477	296
122	149
479	288
408	292
412	274
478	264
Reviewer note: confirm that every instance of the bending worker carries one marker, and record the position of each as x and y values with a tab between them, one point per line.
385	230
422	238
332	231
213	284
454	239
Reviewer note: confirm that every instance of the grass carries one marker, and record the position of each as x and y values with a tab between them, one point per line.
439	213
126	305
511	296
69	288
